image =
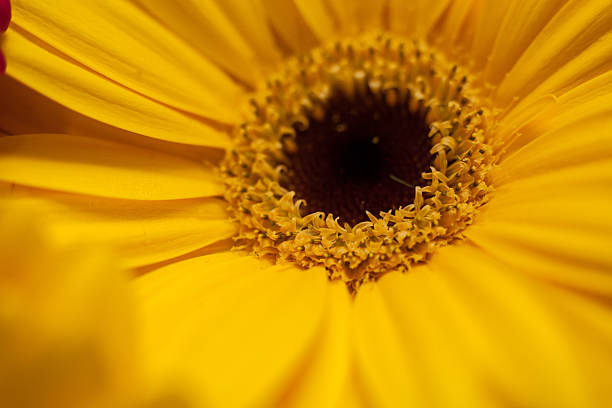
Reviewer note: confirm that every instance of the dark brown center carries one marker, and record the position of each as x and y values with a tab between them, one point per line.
363	155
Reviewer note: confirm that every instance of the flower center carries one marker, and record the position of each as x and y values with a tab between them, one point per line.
363	157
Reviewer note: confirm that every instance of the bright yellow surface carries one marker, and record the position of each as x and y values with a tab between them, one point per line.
517	315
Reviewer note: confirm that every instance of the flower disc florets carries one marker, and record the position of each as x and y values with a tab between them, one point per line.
366	109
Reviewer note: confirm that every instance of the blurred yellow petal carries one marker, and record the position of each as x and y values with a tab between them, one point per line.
511	338
125	45
102	168
412	362
96	97
456	18
358	16
64	322
325	372
286	20
588	328
547	227
578	35
490	17
141	232
228	322
319	17
415	17
384	363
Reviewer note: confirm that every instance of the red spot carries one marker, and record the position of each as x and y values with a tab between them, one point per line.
5	19
5	14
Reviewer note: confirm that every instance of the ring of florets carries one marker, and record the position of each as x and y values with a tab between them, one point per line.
272	220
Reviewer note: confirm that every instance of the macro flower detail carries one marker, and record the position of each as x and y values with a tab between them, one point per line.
449	162
332	137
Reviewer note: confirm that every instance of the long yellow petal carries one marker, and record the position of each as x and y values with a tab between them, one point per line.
587	140
229	322
355	17
448	37
150	60
203	25
414	17
385	364
522	22
141	232
102	168
65	315
85	92
555	226
413	361
505	331
24	111
533	118
490	17
247	17
589	329
287	21
319	17
326	367
579	31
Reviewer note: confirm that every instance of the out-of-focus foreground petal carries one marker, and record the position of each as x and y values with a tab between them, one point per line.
66	338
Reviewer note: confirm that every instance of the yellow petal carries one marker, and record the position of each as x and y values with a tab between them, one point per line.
415	17
522	22
577	32
319	17
589	329
588	102
203	25
490	17
555	226
66	338
287	21
456	18
141	232
405	347
24	111
102	168
384	364
325	371
558	149
247	17
505	331
369	14
231	328
96	97
126	45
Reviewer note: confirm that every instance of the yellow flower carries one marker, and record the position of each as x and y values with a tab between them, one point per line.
493	285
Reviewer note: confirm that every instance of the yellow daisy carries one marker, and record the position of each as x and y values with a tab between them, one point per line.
333	203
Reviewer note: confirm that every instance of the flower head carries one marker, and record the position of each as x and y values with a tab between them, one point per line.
249	161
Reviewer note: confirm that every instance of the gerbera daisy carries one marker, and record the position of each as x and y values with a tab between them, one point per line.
333	203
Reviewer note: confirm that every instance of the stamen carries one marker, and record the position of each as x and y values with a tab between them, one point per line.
354	129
